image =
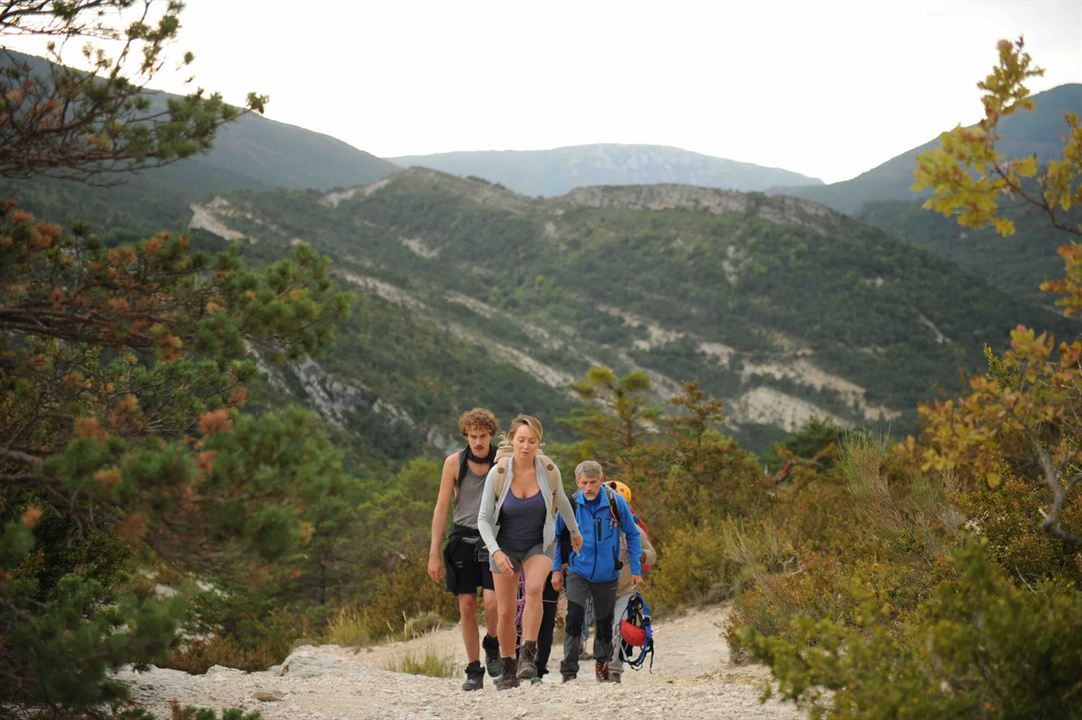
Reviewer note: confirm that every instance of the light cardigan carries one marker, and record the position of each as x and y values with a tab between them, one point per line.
490	504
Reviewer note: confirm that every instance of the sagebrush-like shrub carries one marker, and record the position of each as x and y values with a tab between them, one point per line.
407	592
423	662
695	568
978	646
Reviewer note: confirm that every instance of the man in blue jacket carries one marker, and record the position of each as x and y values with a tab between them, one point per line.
594	570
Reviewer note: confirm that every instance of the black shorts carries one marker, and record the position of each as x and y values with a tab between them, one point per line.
465	568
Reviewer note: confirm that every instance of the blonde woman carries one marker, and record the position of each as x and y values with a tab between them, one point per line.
517	524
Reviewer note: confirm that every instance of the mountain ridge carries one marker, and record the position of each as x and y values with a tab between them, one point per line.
556	171
250	152
1024	133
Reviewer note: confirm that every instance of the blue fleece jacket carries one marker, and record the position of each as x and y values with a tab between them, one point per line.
597	559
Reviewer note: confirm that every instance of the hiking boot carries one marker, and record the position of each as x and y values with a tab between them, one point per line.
535	681
568	677
475	676
492	655
508	679
527	660
614	676
601	670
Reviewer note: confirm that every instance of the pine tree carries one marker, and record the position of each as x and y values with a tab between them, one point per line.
122	371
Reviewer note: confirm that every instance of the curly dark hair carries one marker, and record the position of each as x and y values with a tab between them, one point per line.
480	419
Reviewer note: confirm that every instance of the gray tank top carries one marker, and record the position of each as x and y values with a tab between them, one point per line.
468	501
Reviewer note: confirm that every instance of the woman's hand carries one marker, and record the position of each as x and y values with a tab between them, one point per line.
576	542
558	580
503	563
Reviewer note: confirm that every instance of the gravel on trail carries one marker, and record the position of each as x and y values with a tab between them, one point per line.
692	679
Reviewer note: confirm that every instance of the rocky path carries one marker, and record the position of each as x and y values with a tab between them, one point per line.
692	679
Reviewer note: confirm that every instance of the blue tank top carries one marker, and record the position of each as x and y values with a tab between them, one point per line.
522	522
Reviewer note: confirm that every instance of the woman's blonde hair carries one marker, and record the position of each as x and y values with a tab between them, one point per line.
529	421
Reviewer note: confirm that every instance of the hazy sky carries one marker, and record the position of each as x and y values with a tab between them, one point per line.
828	89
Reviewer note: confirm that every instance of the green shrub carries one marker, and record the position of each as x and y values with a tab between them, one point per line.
197	656
193	713
712	561
979	646
1005	517
242	630
407	592
694	569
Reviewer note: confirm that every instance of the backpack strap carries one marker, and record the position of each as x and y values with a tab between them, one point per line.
612	504
501	475
565	534
503	462
464	466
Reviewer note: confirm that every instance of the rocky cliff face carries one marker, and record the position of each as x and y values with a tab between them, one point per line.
779	209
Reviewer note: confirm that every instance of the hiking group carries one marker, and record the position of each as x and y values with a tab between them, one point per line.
517	536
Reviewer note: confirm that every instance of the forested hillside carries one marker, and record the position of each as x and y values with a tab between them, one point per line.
785	309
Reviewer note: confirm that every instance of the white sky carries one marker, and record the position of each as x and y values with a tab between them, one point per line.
825	88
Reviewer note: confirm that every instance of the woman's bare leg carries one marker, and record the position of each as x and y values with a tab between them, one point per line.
506	604
537	569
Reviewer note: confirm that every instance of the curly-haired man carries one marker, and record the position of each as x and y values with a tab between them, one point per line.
463	564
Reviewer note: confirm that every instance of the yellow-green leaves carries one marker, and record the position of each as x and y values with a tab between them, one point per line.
966	174
969	178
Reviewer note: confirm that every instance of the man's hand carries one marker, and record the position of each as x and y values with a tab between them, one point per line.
503	563
636	582
557	580
576	542
435	568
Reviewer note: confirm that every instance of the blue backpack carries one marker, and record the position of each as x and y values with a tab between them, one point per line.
636	632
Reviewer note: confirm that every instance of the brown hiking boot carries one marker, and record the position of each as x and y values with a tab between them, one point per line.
527	656
508	679
601	671
614	676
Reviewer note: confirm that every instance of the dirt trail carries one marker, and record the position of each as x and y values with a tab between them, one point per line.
691	679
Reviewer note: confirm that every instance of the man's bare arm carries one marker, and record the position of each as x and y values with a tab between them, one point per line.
439	516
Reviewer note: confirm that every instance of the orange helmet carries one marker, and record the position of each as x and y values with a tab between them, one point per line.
624	490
